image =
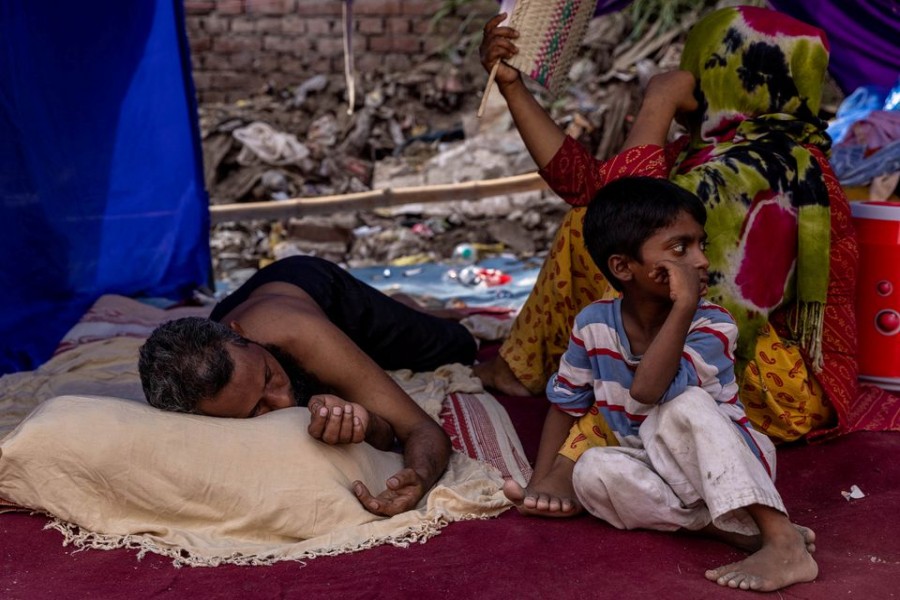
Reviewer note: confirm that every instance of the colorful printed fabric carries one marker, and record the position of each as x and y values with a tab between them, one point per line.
760	77
779	393
782	396
568	280
598	368
784	391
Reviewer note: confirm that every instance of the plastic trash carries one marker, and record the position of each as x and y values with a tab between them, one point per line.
465	253
472	276
854	494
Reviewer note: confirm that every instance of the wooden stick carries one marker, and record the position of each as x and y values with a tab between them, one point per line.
487	88
296	207
348	59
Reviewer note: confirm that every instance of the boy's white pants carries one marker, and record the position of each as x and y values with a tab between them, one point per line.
694	468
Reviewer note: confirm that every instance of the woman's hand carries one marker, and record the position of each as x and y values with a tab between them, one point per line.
674	88
668	95
497	45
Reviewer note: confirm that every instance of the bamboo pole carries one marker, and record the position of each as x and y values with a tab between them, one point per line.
297	207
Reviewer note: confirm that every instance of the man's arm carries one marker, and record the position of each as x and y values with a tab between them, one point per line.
294	322
426	448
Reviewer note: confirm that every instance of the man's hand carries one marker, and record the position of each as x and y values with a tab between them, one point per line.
336	421
497	45
404	490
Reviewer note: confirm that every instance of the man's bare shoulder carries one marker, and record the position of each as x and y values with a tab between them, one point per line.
276	297
275	312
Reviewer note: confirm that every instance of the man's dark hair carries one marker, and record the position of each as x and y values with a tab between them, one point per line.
185	361
627	212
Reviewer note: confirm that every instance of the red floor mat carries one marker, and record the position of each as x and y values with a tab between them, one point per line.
518	557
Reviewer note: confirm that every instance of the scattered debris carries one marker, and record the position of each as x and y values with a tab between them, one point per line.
854	494
413	128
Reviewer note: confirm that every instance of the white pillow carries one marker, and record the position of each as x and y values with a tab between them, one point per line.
213	488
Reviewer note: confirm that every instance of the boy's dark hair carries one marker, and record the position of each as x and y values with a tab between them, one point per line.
186	360
625	213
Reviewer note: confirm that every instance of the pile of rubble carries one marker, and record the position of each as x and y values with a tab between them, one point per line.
409	129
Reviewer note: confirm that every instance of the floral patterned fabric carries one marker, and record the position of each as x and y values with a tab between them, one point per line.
750	159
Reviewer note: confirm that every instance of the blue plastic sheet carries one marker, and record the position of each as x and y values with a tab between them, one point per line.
455	282
857	106
101	184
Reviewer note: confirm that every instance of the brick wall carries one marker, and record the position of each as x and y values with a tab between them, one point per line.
240	47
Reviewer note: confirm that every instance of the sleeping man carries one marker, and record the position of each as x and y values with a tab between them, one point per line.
304	332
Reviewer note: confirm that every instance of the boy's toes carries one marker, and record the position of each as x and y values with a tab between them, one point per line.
514	492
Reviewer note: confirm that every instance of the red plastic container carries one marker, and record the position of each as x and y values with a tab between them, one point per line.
878	292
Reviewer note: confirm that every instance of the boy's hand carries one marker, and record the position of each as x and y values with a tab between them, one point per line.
336	421
685	285
497	45
404	490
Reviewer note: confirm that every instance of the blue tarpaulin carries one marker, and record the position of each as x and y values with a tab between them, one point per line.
101	179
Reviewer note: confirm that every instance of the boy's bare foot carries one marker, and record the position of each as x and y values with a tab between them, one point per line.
552	496
752	543
780	562
495	374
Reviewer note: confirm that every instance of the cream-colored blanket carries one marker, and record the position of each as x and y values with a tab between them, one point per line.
114	472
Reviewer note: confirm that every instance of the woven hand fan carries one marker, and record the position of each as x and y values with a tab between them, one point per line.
550	32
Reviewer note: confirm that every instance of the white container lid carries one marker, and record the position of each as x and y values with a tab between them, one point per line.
877	211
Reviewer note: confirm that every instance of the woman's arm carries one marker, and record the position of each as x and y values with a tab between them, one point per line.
667	95
542	136
575	176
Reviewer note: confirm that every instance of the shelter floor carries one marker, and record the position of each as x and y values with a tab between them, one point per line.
515	556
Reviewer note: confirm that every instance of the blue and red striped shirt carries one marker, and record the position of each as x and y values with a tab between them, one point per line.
597	369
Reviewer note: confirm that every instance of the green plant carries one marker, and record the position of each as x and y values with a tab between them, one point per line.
669	13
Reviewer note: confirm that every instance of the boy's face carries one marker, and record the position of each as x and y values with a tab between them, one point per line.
677	250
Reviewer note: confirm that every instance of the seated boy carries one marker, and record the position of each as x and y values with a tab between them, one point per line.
649	377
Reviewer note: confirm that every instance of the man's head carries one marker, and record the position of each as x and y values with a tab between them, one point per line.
627	212
195	365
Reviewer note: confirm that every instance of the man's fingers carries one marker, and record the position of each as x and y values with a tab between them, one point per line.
390	502
359	433
401	479
334	421
346	433
317	422
365	498
335	418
